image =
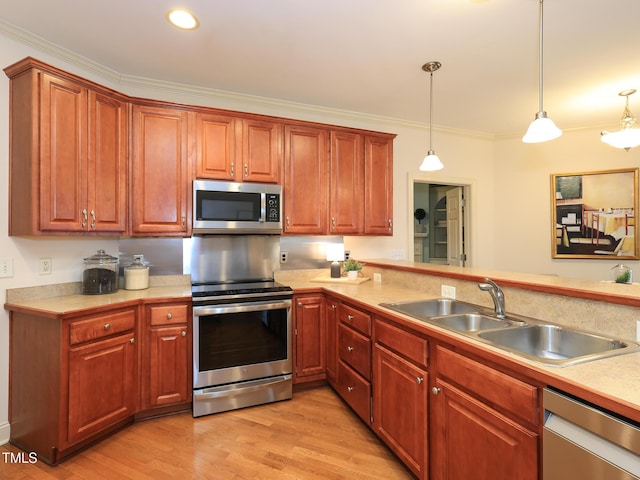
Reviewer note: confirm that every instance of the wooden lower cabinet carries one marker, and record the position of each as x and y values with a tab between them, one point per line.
167	367
400	395
309	338
484	423
331	335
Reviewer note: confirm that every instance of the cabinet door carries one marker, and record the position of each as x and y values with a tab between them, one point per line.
310	360
378	185
160	182
261	151
107	164
346	205
168	366
331	337
306	183
101	385
494	447
63	150
400	408
216	149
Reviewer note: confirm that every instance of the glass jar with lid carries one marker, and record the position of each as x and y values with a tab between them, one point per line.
100	274
136	275
621	274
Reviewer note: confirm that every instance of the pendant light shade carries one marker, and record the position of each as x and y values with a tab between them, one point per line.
542	129
431	162
629	134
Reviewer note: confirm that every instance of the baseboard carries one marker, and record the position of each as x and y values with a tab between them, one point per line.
5	430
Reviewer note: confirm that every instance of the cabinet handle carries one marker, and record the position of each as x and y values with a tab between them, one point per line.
132	341
107	326
183	333
419	380
349	349
390	224
436	390
184	222
350	389
169	316
350	317
333	223
84	218
287	222
233	169
93	219
246	170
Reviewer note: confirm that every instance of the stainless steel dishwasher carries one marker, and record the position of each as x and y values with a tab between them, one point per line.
581	441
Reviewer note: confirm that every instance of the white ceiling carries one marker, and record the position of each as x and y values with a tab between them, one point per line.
366	55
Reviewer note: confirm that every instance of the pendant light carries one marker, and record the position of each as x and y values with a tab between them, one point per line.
431	162
542	129
629	134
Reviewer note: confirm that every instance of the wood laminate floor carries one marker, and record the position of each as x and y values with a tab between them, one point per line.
314	436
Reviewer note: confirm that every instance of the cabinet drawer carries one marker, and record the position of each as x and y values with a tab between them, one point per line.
102	326
356	318
168	314
406	344
355	350
505	393
355	390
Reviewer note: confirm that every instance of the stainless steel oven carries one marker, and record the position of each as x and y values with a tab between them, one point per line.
242	347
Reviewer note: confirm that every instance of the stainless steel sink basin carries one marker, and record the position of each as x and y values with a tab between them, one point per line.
424	309
555	345
469	322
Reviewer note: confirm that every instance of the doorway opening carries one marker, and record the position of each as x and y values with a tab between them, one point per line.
440	232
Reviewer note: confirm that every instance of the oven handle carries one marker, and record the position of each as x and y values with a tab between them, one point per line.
240	307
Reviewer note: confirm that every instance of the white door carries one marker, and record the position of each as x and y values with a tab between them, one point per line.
455	237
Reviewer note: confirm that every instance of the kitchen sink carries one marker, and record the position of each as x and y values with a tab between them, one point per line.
470	322
555	345
425	309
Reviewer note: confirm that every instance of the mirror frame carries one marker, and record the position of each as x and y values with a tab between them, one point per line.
584	224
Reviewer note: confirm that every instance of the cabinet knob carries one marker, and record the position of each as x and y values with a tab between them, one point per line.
350	317
183	333
133	340
334	307
169	316
107	326
349	349
436	390
299	304
419	380
350	389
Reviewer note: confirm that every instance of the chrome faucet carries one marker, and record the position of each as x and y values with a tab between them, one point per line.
496	294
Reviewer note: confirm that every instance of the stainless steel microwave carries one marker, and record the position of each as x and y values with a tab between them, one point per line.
230	208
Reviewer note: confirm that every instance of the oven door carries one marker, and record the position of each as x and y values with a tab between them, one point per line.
241	341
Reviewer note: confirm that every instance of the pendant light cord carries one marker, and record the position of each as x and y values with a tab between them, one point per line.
540	66
431	111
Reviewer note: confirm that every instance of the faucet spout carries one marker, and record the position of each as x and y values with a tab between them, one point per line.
496	294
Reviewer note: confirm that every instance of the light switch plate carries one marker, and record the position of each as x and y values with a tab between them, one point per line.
6	267
448	292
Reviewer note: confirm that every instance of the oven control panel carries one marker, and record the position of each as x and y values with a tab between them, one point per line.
273	207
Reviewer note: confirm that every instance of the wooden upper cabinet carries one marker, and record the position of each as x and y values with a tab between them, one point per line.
216	146
306	185
346	204
68	154
236	149
160	181
378	184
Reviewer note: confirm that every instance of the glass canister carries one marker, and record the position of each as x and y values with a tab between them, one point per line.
136	275
100	274
621	274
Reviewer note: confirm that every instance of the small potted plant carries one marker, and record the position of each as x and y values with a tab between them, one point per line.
352	268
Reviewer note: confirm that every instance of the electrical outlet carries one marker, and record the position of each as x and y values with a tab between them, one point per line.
45	266
6	267
377	277
284	256
347	254
448	292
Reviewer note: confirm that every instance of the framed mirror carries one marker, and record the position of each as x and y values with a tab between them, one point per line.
593	214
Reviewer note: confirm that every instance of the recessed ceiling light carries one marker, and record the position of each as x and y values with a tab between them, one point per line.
183	19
